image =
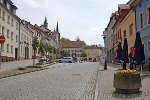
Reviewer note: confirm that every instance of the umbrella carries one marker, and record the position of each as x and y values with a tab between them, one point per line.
138	52
124	55
118	53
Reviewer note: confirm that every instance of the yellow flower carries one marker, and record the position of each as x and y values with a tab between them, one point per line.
128	71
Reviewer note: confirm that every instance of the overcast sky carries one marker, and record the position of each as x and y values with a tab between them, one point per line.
83	18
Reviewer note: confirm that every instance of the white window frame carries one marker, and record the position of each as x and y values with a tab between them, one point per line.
12	22
17	25
3	15
148	45
141	24
148	15
7	46
11	49
8	19
3	30
2	46
7	33
0	12
131	30
16	38
12	35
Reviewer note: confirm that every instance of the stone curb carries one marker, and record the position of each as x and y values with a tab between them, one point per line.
43	68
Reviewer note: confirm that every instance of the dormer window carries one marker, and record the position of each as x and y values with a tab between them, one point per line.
1	1
8	6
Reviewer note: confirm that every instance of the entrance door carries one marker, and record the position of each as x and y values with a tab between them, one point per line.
16	53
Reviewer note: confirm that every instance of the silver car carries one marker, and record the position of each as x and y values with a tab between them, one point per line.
65	60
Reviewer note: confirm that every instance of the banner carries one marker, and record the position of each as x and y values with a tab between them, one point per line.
102	58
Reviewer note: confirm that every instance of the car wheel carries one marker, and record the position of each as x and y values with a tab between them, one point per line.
59	61
70	62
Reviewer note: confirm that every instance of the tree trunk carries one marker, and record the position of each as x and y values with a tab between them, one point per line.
34	58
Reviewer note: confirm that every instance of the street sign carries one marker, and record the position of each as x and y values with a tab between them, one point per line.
2	39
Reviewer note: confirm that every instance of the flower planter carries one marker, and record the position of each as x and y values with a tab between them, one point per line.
127	83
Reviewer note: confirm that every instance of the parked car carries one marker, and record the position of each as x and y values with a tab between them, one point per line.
43	58
65	60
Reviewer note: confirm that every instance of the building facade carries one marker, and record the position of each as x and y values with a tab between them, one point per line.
110	39
93	53
128	29
72	47
9	28
142	11
26	36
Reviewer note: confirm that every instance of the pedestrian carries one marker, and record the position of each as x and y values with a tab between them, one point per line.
130	57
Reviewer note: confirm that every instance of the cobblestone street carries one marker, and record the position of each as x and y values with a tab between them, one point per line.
106	91
75	81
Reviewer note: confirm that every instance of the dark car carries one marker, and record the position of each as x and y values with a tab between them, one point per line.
43	58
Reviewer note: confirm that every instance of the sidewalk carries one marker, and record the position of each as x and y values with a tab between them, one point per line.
106	91
15	64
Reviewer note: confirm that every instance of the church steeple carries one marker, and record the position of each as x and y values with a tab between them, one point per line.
45	23
57	29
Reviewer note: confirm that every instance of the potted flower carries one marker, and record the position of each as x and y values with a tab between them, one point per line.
127	81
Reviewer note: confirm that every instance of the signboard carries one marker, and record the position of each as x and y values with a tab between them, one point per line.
2	39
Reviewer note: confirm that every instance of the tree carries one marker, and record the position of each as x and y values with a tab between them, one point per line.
35	45
50	50
42	47
77	38
83	54
64	39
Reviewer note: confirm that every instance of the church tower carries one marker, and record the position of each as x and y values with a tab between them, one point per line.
57	29
45	23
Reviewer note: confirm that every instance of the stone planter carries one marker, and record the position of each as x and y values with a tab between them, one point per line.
127	83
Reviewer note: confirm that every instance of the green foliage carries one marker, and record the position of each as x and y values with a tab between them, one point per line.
83	54
46	47
50	49
54	50
41	47
35	43
64	39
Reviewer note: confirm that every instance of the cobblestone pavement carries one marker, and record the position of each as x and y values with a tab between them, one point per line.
15	64
106	91
75	81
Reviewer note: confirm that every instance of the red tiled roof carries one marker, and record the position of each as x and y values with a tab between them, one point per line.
72	44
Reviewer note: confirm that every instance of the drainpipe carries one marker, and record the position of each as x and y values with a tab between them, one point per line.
19	41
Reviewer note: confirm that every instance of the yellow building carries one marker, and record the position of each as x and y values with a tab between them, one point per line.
128	29
93	52
9	27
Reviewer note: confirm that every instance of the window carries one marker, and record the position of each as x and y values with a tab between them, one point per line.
148	13
2	46
21	49
3	29
141	21
8	6
12	22
16	38
124	33
71	50
11	49
0	29
131	29
12	35
148	49
7	47
3	16
17	25
7	33
8	19
0	13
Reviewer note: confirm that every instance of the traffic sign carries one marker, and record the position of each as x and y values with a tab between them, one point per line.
2	39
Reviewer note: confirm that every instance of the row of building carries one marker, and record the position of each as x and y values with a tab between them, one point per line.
130	18
19	34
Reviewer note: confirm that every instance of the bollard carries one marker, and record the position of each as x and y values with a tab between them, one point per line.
105	65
